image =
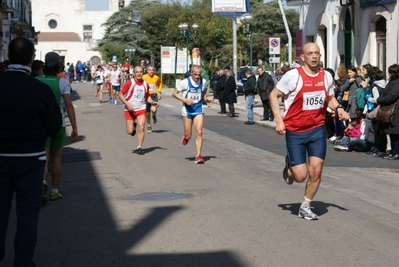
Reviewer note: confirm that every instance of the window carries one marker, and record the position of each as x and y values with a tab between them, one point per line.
87	33
87	37
121	4
52	23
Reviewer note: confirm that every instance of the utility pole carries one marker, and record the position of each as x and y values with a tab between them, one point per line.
287	29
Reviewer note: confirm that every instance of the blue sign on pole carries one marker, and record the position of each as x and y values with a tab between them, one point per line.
366	3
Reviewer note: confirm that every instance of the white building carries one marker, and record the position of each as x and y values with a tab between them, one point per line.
68	29
15	21
350	32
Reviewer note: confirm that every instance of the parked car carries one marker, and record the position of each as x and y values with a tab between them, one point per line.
240	86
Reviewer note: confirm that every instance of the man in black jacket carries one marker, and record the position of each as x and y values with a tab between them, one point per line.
24	127
249	92
230	92
219	91
265	85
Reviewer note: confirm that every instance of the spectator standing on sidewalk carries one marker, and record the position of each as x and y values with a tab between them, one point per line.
230	95
84	71
205	76
71	71
25	125
389	96
219	90
265	85
380	138
249	92
79	71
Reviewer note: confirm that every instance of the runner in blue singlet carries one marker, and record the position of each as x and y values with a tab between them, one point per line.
191	91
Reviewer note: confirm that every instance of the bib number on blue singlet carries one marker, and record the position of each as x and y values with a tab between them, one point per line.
196	97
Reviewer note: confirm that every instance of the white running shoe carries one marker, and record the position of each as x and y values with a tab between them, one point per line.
306	213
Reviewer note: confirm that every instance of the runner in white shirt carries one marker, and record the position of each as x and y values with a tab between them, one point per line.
115	77
107	83
98	76
93	70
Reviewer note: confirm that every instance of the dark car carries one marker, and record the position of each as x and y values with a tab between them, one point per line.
278	75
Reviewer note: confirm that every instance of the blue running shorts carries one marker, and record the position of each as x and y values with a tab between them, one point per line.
313	142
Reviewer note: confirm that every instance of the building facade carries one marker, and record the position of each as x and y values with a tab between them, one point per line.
15	20
351	32
67	28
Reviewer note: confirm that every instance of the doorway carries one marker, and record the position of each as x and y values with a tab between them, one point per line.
381	34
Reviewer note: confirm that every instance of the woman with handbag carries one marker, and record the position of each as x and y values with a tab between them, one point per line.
342	97
389	96
380	138
352	84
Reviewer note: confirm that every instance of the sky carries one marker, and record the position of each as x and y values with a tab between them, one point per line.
96	4
103	4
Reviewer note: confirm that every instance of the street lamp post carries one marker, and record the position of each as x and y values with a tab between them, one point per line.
247	19
187	35
286	52
130	51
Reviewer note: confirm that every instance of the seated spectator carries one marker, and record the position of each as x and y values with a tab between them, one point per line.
366	139
350	132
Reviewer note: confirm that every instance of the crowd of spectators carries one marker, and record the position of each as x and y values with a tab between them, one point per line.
360	90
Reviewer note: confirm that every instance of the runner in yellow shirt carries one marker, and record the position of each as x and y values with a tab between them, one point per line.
155	84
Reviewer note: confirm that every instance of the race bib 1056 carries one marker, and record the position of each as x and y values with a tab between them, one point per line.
313	100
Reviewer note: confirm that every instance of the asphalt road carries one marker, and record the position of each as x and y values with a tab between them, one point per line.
161	209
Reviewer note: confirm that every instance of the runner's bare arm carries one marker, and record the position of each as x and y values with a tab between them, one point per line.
176	94
275	107
334	105
123	99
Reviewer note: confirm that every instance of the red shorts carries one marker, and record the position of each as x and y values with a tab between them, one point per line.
132	115
109	84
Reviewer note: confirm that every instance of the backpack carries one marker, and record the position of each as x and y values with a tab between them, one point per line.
361	97
365	94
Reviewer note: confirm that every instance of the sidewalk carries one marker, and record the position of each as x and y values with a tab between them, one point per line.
240	105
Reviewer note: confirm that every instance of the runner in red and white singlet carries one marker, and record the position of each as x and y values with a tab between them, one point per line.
135	95
307	92
305	104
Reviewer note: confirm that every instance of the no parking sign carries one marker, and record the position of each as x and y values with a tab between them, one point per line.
274	45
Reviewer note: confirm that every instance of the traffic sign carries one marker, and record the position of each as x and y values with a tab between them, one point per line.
274	45
274	60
